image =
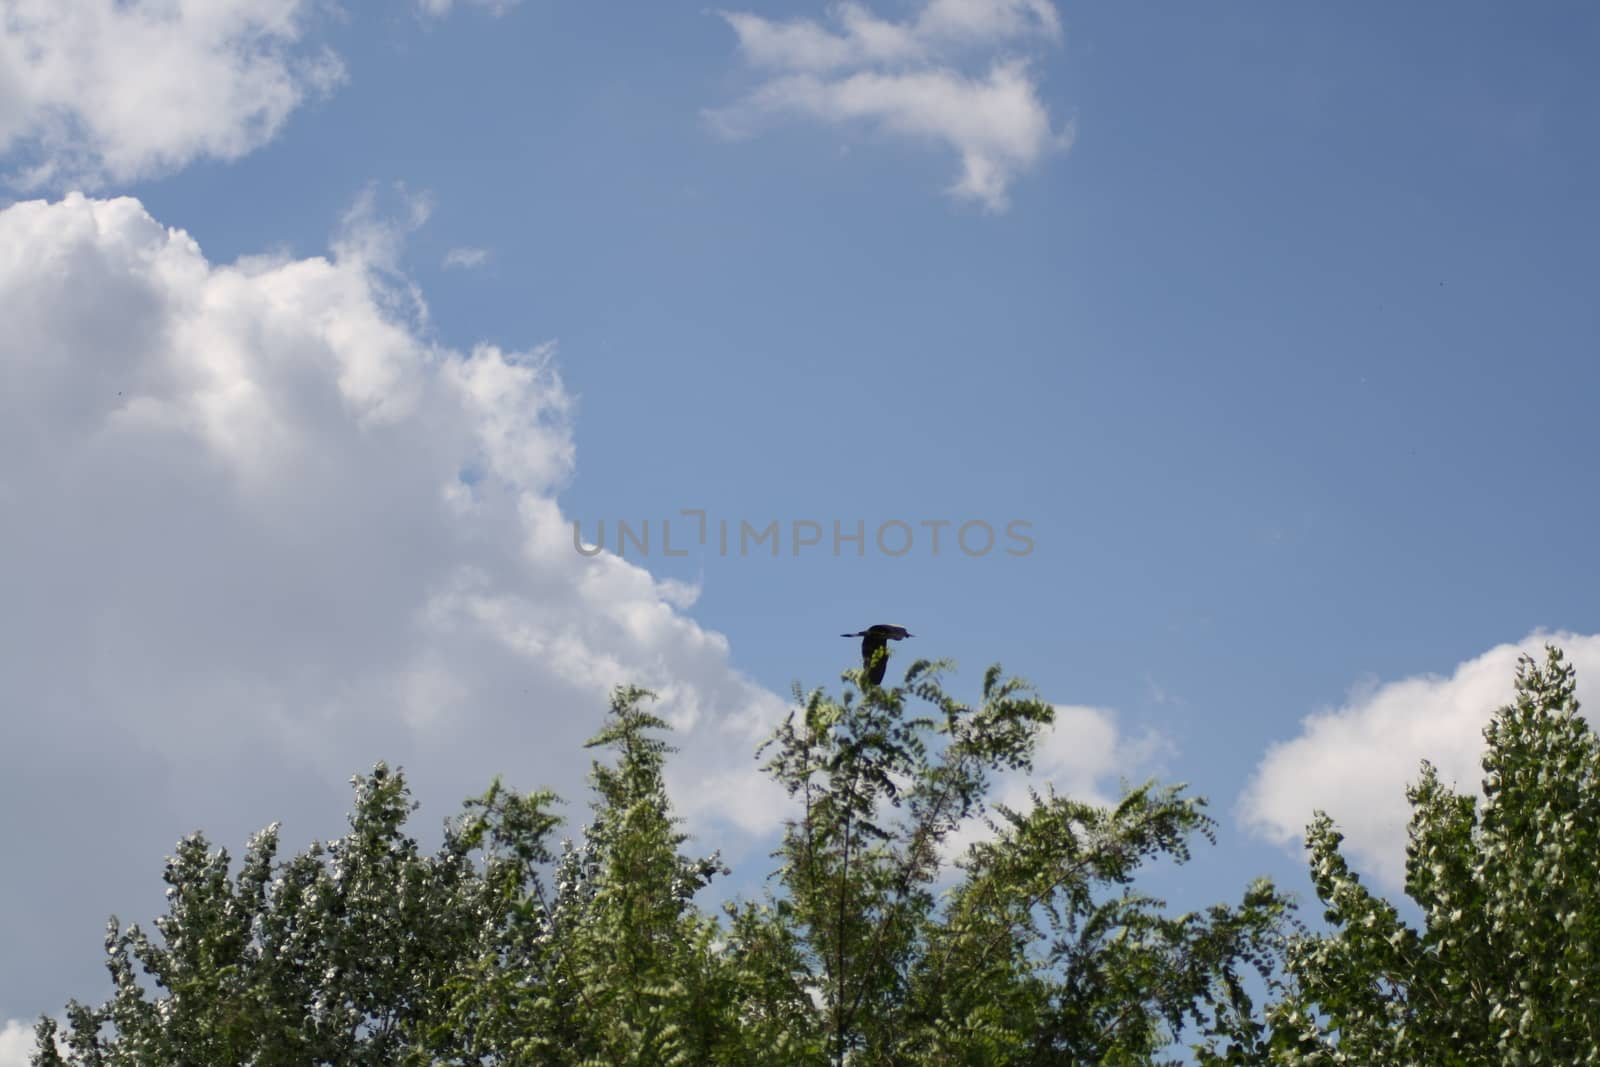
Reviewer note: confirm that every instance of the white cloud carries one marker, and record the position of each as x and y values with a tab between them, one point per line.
258	531
16	1043
1355	761
466	258
906	78
988	20
940	28
96	91
376	235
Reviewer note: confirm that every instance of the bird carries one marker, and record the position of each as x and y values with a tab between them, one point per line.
875	640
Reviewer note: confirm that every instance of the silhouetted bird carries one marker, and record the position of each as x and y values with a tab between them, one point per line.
875	639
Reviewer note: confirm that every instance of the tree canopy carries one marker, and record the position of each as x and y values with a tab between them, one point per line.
877	941
1505	965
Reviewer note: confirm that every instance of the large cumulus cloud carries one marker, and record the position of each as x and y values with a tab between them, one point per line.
258	530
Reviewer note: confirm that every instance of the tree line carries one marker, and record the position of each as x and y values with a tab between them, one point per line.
875	941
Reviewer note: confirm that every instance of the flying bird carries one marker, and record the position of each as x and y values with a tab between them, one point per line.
875	640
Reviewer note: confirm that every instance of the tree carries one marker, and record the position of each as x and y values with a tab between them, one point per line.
365	951
335	956
616	966
504	947
1503	969
1040	950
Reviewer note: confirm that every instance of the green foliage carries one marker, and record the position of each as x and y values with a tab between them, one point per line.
617	966
879	940
335	956
1503	970
1040	951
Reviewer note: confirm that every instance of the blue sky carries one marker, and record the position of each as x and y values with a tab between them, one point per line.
1275	325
